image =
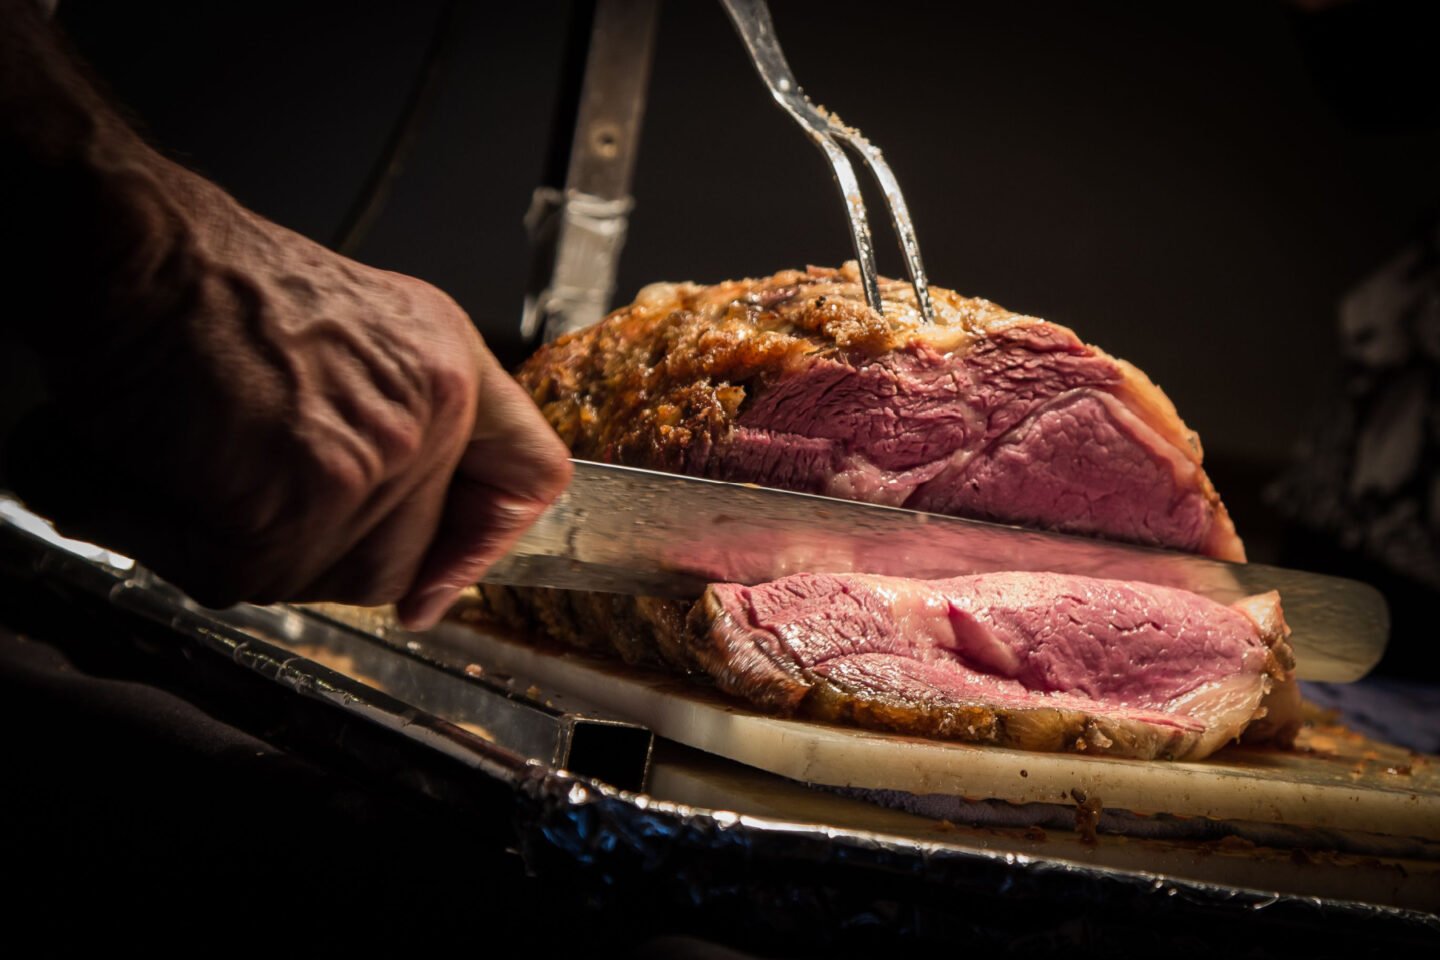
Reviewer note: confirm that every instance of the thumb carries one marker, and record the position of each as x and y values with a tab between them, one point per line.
512	469
480	526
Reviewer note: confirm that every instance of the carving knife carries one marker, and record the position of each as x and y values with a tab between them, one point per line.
625	530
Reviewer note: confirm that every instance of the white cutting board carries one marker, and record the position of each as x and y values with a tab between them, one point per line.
1335	780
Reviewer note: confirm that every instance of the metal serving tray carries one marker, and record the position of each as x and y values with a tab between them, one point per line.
627	824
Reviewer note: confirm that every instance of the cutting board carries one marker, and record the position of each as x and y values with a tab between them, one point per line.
1334	779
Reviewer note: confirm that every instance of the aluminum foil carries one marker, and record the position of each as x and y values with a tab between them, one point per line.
631	862
809	886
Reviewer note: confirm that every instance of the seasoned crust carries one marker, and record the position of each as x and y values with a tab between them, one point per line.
663	383
666	373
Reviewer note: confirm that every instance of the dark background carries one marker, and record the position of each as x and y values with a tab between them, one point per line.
1190	185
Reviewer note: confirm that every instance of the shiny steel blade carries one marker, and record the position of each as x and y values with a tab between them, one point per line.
622	530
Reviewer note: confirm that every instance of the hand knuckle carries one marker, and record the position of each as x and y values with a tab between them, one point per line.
342	475
399	436
453	386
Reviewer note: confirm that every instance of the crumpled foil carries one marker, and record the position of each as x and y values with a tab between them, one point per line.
765	884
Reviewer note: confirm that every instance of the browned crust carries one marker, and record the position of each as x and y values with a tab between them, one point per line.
661	382
643	630
668	372
778	686
1039	729
1278	719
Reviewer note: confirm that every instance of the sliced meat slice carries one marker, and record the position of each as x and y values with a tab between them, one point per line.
1031	660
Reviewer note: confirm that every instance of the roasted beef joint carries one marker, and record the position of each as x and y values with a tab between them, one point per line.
793	381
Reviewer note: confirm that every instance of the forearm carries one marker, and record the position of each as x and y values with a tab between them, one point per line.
104	227
279	422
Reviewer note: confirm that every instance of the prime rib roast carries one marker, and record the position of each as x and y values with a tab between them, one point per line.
794	381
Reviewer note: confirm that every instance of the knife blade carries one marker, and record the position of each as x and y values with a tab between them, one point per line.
626	530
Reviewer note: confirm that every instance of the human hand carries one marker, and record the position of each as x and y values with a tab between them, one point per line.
258	418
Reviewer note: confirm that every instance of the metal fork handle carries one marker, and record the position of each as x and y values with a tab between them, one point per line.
757	31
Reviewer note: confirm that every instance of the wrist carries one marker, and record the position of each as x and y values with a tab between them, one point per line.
112	253
100	227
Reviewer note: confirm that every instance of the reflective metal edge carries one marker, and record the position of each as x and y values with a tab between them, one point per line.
595	824
464	717
628	530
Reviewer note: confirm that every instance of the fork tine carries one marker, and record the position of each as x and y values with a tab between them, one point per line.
858	219
899	212
757	31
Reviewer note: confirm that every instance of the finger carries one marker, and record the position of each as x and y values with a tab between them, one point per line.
480	526
365	533
384	563
514	448
512	469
